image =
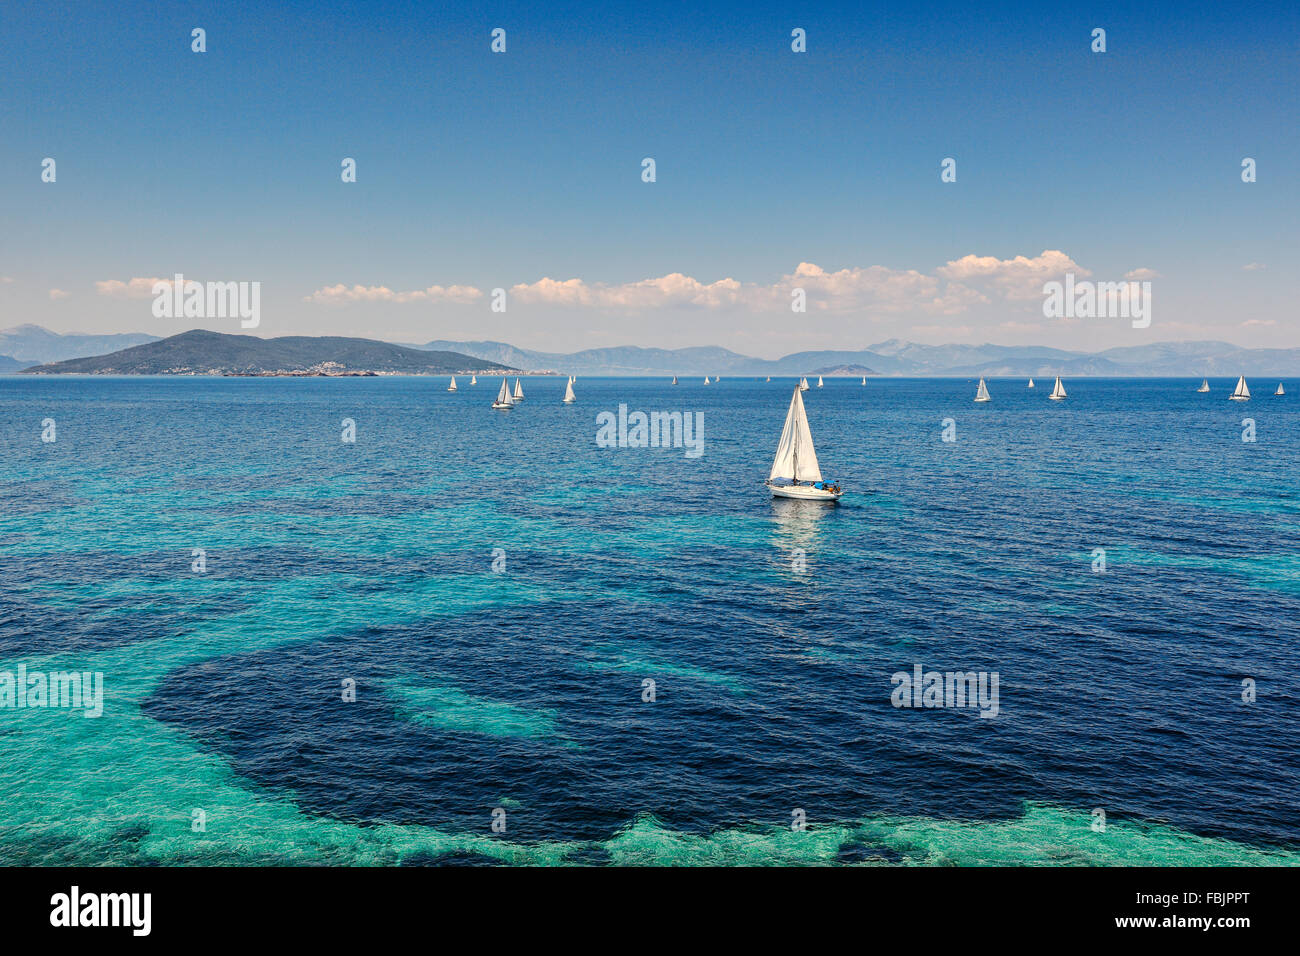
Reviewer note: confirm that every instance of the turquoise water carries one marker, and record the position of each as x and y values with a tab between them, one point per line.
522	689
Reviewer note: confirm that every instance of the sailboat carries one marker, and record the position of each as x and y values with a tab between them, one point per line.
795	472
1241	393
503	397
864	380
819	381
674	379
1279	389
519	391
1031	382
569	397
982	393
769	378
473	379
803	384
452	386
1205	385
1058	390
706	380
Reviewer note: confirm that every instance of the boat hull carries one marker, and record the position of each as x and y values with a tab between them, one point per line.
804	493
1238	398
1057	398
501	406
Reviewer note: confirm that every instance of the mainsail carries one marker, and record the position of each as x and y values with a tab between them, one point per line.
452	386
1241	391
795	457
819	381
674	379
519	390
982	393
1058	390
503	396
1031	383
569	397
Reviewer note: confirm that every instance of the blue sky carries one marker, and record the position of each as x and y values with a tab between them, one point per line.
479	170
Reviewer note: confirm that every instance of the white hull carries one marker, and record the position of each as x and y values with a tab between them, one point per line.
1057	398
1238	398
502	406
804	492
983	400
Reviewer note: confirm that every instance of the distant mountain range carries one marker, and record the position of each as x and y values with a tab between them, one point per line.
200	352
214	353
32	345
897	357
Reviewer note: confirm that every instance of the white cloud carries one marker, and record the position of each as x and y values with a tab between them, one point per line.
1253	267
134	288
1138	275
56	294
341	294
1018	279
1250	322
876	291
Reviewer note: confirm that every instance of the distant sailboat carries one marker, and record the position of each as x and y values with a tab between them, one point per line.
1058	390
674	379
1031	383
819	381
1205	385
569	397
982	393
1241	393
519	391
706	380
795	471
769	378
864	380
452	386
803	384
1279	389
503	397
473	379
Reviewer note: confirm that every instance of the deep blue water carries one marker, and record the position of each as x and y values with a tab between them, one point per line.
522	689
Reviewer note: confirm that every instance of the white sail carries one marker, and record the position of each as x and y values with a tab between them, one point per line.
796	458
819	381
803	384
982	393
1241	392
473	379
1205	385
706	380
864	380
769	378
1280	390
519	390
503	396
1031	383
674	379
1058	390
569	397
452	386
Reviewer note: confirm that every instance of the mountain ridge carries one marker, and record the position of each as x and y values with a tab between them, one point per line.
199	352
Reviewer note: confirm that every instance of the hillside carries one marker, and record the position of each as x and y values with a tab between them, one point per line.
214	353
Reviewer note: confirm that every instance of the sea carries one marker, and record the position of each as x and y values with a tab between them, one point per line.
469	636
